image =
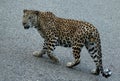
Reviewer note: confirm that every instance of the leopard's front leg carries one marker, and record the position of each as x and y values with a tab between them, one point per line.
51	47
42	52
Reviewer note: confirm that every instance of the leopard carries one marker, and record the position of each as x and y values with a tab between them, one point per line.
75	34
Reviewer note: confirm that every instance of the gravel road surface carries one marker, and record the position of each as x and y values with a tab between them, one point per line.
16	44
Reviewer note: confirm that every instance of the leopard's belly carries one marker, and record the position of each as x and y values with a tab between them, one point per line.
64	43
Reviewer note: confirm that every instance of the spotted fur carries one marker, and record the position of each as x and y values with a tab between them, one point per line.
67	33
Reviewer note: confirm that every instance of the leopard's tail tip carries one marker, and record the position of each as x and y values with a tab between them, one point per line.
106	73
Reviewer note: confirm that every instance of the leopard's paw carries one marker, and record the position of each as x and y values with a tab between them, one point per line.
94	72
37	54
74	63
70	64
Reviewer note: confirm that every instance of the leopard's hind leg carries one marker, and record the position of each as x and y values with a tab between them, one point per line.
94	48
95	53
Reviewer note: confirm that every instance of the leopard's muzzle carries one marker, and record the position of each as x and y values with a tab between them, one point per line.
26	26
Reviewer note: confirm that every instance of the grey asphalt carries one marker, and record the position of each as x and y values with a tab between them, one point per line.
17	44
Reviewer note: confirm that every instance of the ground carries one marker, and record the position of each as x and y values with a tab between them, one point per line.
17	44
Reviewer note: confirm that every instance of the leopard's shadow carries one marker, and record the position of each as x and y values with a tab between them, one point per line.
82	68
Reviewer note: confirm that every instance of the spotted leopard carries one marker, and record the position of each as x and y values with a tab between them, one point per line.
58	31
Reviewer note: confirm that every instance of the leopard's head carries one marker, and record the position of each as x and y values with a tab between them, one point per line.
30	18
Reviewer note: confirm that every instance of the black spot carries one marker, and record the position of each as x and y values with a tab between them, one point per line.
68	42
95	60
94	51
69	45
95	56
52	41
66	45
45	48
81	45
91	49
81	39
77	51
91	43
60	42
64	42
51	48
76	48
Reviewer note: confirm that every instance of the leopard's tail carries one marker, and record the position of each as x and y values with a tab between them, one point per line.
106	72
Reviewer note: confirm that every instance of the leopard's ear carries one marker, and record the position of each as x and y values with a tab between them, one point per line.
36	12
24	10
